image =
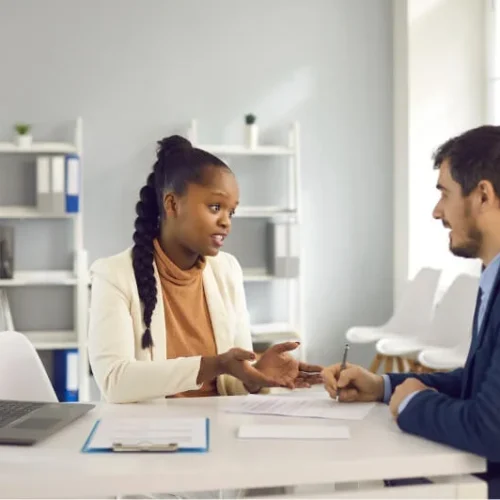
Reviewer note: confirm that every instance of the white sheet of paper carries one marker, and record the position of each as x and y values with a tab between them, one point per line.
299	407
186	432
293	432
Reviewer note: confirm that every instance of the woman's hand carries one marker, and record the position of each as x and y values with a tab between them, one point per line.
277	364
235	362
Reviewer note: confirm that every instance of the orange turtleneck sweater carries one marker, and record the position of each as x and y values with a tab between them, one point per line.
188	323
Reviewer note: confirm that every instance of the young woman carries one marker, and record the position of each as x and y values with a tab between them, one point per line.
168	316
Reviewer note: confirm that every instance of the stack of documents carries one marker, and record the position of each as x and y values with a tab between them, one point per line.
318	407
148	434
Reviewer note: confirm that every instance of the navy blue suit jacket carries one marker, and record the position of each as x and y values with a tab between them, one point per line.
465	412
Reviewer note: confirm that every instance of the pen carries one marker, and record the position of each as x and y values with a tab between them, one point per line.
342	366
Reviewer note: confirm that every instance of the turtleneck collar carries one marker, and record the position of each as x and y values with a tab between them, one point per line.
171	272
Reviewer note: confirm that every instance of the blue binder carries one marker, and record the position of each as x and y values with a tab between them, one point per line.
66	374
72	183
141	447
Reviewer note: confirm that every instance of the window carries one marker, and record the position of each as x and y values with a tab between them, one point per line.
493	49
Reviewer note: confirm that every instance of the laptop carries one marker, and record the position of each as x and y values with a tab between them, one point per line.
28	422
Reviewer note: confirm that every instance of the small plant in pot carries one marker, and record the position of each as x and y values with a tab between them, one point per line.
23	138
251	132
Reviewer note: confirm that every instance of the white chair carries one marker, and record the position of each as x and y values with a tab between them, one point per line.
443	358
22	374
451	324
412	314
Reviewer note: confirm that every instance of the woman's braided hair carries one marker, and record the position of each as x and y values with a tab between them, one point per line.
178	164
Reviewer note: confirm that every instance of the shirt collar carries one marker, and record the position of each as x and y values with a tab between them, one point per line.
488	276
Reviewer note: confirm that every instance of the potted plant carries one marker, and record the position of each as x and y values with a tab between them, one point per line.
23	138
251	132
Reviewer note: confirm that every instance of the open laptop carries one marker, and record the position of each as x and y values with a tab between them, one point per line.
28	422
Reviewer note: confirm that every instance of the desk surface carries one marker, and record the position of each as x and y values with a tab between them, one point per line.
377	450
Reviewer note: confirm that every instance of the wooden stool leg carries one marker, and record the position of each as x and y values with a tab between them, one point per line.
419	368
412	364
377	361
388	364
401	365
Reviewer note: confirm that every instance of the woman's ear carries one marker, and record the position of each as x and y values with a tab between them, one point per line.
170	205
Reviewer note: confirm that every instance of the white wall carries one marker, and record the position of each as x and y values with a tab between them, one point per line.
138	70
446	87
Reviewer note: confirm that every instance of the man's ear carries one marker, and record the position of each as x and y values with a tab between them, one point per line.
487	194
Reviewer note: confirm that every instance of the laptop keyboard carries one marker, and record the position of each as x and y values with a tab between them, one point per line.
12	410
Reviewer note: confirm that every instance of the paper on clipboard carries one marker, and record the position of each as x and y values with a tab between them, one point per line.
182	434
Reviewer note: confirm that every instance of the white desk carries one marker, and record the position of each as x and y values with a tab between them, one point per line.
377	450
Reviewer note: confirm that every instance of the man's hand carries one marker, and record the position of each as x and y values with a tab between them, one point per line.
354	383
403	390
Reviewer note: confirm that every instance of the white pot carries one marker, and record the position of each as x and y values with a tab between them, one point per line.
24	141
252	136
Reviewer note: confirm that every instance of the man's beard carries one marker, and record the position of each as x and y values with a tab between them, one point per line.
471	247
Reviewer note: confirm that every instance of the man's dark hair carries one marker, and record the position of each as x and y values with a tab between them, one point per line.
473	156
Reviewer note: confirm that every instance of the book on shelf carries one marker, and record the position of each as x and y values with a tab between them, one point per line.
6	322
66	374
58	181
284	249
6	252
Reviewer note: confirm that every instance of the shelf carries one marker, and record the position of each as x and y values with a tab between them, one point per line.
44	340
257	274
27	212
238	150
263	212
38	147
40	278
273	332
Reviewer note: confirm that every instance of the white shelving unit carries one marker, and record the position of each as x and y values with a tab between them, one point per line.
39	148
260	212
293	328
76	278
49	341
21	212
40	278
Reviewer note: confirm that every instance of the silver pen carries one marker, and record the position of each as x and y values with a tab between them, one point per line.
343	365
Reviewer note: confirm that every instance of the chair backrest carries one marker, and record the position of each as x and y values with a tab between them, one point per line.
453	316
22	374
414	310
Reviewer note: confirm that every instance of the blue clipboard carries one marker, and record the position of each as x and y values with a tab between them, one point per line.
144	447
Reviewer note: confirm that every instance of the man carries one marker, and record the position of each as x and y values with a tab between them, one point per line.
460	408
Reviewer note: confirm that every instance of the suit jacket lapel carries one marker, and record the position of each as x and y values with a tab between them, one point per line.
472	349
478	334
487	311
217	310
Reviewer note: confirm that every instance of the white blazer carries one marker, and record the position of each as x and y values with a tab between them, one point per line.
127	373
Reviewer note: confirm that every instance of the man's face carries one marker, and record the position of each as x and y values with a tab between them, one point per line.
456	212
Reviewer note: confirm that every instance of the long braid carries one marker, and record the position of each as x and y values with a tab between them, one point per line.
146	230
